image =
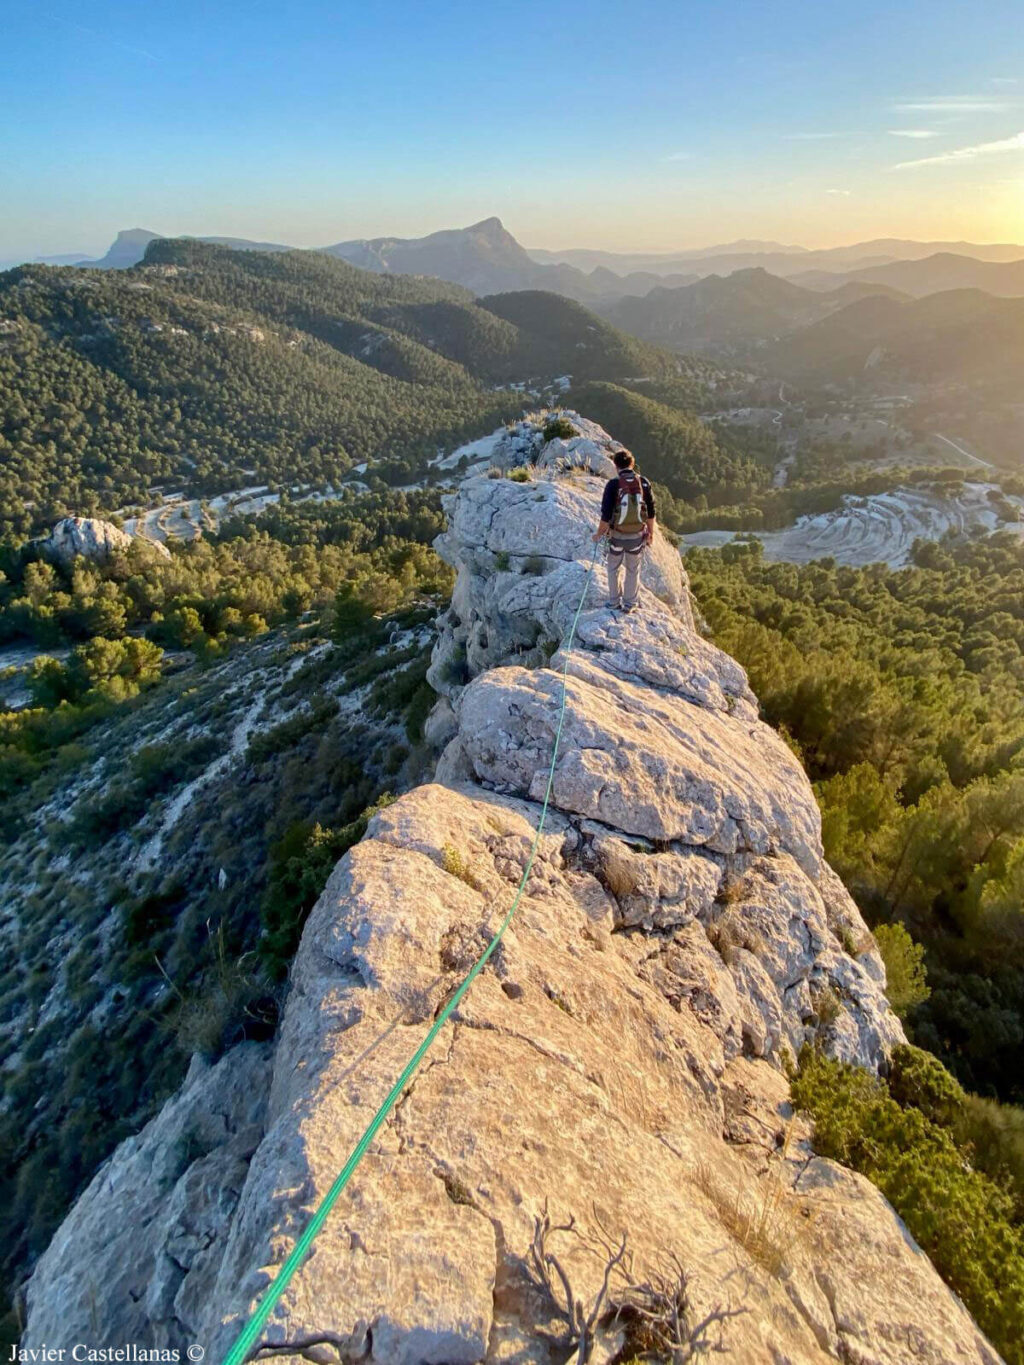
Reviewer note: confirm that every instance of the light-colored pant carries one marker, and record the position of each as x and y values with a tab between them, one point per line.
629	549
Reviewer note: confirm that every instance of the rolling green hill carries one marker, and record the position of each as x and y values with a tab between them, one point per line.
962	336
205	369
672	447
561	331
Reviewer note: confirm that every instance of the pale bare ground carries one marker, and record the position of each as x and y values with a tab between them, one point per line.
877	529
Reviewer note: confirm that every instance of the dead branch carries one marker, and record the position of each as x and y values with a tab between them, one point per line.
657	1315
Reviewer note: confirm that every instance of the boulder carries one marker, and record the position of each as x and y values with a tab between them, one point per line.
524	443
93	539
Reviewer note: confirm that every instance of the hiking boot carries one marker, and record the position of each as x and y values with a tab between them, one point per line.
627	607
614	604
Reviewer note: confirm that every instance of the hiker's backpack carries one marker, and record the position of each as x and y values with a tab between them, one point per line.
630	503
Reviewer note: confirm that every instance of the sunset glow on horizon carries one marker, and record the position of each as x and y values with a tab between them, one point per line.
599	125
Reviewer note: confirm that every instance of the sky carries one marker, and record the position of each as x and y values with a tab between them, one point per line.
649	125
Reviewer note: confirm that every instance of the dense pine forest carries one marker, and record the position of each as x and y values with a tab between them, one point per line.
205	369
901	692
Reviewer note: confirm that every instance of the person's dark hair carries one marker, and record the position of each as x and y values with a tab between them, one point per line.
623	459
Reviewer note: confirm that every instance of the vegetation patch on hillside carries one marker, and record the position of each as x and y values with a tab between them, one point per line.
914	1138
901	691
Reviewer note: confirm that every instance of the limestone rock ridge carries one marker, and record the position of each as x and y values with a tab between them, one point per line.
620	1062
94	539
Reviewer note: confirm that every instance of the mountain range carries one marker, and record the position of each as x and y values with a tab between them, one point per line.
816	325
774	256
964	336
750	305
486	258
930	275
960	336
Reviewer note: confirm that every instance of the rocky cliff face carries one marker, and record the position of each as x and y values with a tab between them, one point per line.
95	539
620	1062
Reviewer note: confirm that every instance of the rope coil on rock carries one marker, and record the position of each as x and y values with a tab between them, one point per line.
247	1338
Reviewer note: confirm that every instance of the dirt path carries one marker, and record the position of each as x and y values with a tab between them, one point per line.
982	464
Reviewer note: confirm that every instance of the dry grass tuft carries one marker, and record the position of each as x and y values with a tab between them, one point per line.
729	933
762	1218
827	1005
618	874
455	864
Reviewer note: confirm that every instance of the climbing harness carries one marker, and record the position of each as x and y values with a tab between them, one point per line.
247	1338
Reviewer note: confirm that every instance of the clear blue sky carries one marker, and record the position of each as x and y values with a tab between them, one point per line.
649	124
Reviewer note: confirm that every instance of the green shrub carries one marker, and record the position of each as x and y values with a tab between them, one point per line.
918	1079
455	669
520	476
148	917
455	864
994	1135
559	428
300	864
290	731
232	1001
906	985
960	1217
502	560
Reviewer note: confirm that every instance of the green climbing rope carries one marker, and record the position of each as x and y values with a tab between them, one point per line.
247	1338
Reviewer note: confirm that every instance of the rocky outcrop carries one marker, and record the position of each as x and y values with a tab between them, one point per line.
620	1061
585	445
94	539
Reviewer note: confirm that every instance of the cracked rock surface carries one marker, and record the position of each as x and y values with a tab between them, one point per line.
620	1059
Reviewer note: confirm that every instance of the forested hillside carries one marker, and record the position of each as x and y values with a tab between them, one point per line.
173	799
674	447
901	691
958	337
205	369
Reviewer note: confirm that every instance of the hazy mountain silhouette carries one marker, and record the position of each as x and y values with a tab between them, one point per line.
933	274
745	307
961	335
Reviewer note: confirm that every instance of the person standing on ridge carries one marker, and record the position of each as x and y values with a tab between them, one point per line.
627	519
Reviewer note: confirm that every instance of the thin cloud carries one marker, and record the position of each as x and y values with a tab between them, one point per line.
983	149
813	137
954	104
678	156
844	194
109	41
913	132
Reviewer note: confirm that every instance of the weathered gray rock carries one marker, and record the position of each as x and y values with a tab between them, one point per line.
638	760
523	443
94	539
522	553
146	1235
619	1060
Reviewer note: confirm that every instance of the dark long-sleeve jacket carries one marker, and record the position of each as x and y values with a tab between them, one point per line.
611	490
